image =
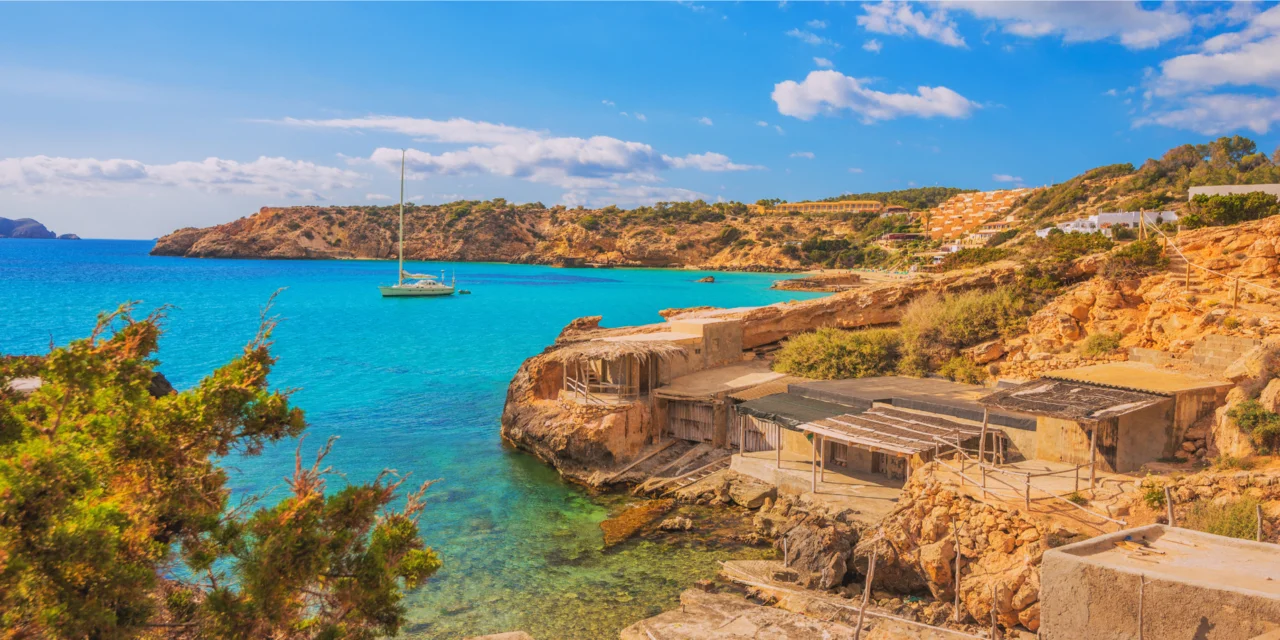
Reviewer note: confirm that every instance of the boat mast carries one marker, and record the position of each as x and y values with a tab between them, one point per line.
400	271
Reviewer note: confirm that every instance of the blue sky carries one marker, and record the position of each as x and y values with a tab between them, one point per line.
131	120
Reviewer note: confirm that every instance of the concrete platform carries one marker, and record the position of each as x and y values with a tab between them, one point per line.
1138	376
716	616
868	494
711	383
1189	585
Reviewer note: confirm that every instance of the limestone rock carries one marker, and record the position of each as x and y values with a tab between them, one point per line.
1270	396
821	548
751	493
986	352
678	523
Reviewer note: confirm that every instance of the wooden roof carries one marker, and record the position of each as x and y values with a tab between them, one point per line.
892	430
1071	400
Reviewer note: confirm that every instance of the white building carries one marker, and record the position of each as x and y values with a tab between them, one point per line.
1105	221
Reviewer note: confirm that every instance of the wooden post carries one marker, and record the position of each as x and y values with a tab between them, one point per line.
1187	284
1235	294
1142	586
866	594
1028	481
955	535
1077	478
777	446
1093	456
982	448
822	460
1259	510
1168	505
742	434
786	559
995	629
814	465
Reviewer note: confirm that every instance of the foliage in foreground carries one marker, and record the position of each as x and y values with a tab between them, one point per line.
1229	209
829	354
1101	344
115	519
1263	426
1235	518
935	328
1134	260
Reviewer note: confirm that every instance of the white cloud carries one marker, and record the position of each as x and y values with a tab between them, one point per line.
709	161
1250	56
1219	113
630	196
808	155
1230	84
817	24
641	117
279	177
855	170
897	18
810	38
608	103
453	130
1126	22
872	45
778	128
622	113
761	123
831	91
379	196
705	121
824	63
1111	92
1004	177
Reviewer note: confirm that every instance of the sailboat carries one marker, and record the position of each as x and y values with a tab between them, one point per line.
413	284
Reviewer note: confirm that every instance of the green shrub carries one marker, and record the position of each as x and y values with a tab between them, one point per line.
589	222
1261	425
829	354
1227	463
1065	247
1100	344
1123	233
1235	518
1135	259
935	328
1230	322
1153	496
962	369
1076	498
972	257
1230	209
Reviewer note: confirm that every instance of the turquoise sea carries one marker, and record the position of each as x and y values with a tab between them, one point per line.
411	385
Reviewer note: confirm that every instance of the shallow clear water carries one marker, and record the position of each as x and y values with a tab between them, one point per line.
411	385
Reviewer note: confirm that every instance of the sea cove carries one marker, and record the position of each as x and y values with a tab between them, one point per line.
411	385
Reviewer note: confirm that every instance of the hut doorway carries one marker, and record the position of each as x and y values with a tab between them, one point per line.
750	433
692	421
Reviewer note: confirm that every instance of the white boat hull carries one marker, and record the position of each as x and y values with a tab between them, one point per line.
395	291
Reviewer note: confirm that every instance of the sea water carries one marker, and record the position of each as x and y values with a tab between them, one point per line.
413	385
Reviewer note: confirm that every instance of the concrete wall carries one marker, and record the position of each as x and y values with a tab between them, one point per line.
1021	444
1085	597
1222	190
796	443
1145	436
721	341
1059	440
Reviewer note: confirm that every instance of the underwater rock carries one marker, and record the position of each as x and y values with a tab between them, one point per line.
678	523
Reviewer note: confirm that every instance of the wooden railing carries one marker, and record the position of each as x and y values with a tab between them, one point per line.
1169	243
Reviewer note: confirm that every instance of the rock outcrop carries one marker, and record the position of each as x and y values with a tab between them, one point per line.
1000	552
29	229
501	232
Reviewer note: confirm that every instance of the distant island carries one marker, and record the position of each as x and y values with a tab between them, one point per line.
29	229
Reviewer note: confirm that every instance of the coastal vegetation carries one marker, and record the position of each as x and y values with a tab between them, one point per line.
915	199
116	518
1158	183
936	328
830	354
1234	208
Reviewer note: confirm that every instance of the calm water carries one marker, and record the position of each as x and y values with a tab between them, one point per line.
411	385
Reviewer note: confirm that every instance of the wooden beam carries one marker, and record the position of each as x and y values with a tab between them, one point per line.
1093	455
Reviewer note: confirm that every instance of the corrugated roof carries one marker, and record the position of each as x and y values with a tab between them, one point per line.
1070	400
1137	376
894	430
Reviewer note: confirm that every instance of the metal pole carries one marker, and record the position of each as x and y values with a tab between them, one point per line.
1168	505
400	271
866	594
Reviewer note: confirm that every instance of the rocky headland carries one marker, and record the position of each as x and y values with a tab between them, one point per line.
26	228
723	237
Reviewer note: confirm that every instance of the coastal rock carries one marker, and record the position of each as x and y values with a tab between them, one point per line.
751	493
678	523
821	549
24	228
706	279
510	635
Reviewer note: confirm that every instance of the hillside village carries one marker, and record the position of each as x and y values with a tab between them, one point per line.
1041	434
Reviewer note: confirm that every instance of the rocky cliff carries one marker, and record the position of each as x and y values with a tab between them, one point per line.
708	236
29	229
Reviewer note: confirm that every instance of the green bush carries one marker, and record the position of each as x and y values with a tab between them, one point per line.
590	223
1065	247
935	328
1153	496
1235	518
830	354
1262	425
1230	209
962	369
1101	344
1123	233
1135	259
972	257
